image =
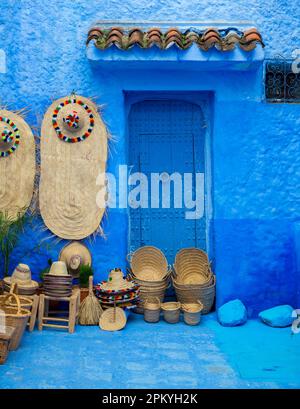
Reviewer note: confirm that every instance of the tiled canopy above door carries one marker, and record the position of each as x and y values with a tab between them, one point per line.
197	46
222	39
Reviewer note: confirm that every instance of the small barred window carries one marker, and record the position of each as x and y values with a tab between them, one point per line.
282	81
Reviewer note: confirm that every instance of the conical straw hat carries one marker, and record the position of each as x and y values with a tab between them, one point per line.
73	155
116	282
59	268
17	164
22	276
113	319
75	254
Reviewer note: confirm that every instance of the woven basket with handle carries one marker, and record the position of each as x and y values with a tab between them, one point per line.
171	312
152	310
15	317
192	313
25	302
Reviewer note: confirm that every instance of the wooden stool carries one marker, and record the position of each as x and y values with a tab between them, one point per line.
34	309
73	312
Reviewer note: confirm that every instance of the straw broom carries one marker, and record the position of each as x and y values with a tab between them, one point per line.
90	308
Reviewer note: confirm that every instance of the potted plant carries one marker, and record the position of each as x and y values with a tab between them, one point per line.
10	230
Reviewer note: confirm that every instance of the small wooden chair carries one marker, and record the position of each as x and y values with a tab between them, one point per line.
68	322
34	309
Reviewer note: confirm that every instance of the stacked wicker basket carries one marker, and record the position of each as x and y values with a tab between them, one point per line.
149	268
193	279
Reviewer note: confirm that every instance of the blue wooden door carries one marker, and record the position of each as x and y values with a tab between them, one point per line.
166	136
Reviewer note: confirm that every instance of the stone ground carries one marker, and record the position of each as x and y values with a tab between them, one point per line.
157	356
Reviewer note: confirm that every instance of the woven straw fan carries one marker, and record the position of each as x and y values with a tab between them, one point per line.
73	154
17	164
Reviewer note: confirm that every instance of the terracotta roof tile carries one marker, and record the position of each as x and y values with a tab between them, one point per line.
223	39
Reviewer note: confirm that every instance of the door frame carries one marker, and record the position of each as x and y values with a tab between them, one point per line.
205	101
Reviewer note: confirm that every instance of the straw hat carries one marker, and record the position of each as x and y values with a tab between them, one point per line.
75	254
113	319
17	163
59	268
116	282
73	155
22	276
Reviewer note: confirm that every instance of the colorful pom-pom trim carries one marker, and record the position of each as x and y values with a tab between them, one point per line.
9	137
72	120
57	128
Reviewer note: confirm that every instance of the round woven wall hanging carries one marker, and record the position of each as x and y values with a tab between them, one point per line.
73	154
17	164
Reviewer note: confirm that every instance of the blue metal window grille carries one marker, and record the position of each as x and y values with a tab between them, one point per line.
282	82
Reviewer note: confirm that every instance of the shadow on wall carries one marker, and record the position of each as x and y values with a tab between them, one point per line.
256	264
297	259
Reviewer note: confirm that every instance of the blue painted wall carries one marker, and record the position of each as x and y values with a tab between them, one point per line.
255	146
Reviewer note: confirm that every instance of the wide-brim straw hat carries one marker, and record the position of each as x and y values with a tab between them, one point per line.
119	303
59	268
116	282
22	277
17	164
75	254
113	319
71	161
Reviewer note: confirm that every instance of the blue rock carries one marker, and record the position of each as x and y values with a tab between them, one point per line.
232	314
280	316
